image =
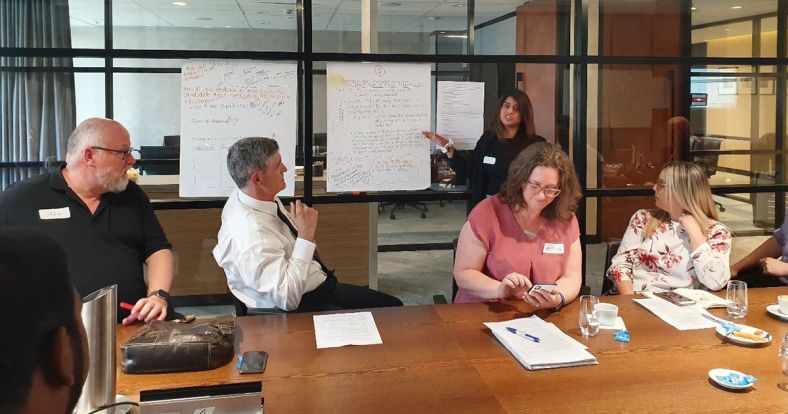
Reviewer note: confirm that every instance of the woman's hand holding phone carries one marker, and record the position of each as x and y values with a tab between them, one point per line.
542	296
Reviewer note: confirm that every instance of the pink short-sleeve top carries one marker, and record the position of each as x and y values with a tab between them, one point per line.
542	258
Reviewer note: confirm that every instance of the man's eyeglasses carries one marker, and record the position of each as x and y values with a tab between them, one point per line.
549	192
125	154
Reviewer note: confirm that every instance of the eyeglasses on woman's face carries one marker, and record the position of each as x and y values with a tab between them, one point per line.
536	188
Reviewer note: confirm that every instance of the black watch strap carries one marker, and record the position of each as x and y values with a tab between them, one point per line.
161	293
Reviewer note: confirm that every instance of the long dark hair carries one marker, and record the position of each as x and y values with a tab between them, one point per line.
526	132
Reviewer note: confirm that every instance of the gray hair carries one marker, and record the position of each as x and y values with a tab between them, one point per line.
249	155
87	134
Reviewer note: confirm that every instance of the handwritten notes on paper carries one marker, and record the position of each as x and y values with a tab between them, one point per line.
343	329
223	101
461	112
376	112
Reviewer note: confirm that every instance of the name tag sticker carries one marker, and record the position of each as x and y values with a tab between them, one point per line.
54	213
553	248
489	160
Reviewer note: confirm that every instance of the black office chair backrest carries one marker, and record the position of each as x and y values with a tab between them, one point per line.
708	162
453	280
612	249
240	307
242	310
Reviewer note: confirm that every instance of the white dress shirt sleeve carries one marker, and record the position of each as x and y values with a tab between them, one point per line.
264	266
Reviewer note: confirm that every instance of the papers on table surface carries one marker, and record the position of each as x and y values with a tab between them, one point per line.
342	329
618	325
704	299
555	349
680	317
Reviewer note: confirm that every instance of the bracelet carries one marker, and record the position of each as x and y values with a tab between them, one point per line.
563	301
445	148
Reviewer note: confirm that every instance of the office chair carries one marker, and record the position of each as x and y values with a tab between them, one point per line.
400	205
707	162
154	152
242	310
612	249
440	299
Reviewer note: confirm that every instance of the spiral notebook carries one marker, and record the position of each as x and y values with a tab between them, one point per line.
554	348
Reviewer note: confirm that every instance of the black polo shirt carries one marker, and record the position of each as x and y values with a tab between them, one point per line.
106	248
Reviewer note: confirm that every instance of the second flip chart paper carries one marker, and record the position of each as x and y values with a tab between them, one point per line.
461	112
376	113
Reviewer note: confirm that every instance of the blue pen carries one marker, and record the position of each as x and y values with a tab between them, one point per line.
523	334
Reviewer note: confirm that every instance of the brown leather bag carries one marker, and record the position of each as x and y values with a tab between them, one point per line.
162	346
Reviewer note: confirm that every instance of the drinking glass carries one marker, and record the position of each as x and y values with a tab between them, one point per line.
737	299
589	323
783	355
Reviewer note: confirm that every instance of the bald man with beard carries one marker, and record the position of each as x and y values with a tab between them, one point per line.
104	223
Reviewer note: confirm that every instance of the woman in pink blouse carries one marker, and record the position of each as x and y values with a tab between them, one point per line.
680	244
525	234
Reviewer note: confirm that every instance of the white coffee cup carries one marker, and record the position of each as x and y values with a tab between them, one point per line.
783	301
606	313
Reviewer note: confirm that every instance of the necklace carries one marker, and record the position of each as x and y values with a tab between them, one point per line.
521	223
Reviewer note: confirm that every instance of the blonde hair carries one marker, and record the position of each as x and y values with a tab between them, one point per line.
689	185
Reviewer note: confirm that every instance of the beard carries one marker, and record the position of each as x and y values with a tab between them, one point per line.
115	184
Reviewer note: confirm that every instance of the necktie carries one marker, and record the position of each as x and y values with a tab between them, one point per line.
315	256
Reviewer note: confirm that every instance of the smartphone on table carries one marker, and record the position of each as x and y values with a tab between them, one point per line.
252	362
675	298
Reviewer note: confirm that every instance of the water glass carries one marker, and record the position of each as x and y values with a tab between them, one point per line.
737	299
589	323
783	355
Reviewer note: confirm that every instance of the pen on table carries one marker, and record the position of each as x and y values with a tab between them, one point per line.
523	334
126	306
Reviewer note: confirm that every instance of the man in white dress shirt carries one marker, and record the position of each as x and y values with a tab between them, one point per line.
269	256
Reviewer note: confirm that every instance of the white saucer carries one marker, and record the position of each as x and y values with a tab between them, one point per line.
745	341
774	310
714	373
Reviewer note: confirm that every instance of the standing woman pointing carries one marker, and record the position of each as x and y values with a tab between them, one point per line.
510	132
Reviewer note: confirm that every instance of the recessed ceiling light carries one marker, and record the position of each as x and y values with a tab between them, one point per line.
205	19
694	8
433	18
178	3
228	27
735	7
728	29
459	5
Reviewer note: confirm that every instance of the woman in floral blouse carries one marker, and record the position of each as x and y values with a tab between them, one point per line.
680	243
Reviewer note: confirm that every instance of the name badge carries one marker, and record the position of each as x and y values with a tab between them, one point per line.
489	160
54	213
553	248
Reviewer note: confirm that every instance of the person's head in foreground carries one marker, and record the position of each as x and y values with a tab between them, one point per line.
43	352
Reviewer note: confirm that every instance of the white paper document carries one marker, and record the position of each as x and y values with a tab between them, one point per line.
554	348
682	318
460	114
342	329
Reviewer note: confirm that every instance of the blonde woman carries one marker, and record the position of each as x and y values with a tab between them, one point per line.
680	244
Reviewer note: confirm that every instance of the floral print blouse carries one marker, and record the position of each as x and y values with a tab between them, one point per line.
663	260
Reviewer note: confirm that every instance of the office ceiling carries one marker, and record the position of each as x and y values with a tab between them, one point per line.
345	15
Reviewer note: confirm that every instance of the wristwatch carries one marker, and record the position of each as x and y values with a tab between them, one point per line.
161	293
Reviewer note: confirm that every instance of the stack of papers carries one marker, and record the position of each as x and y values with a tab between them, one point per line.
680	317
554	348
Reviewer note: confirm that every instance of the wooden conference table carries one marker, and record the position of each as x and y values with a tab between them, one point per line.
442	359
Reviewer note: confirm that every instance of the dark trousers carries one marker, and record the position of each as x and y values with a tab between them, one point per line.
756	279
332	295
